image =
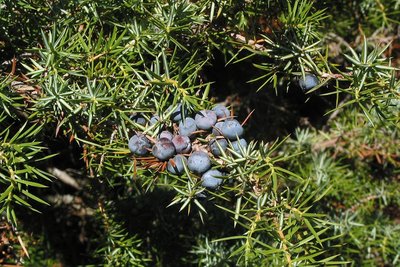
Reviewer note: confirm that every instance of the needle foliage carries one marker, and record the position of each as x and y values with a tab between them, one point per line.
317	184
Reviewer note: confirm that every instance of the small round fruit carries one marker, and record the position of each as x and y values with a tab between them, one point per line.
231	129
166	134
138	118
205	119
217	128
221	111
308	82
236	145
211	179
176	115
215	149
154	119
201	196
199	162
182	143
139	144
163	149
176	164
187	127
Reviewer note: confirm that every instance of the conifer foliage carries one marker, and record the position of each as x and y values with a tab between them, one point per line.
199	133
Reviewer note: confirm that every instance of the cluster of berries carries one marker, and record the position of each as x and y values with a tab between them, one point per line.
182	147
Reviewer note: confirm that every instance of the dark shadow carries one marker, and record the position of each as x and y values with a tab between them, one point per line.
170	232
275	115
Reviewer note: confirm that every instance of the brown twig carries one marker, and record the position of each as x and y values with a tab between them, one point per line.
254	44
64	177
283	240
361	202
248	117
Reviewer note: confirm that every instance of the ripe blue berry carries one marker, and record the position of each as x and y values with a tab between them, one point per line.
163	149
211	179
166	134
154	119
215	149
201	196
231	129
138	118
139	144
176	164
199	162
182	143
205	119
217	128
177	113
221	111
187	127
236	145
308	82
